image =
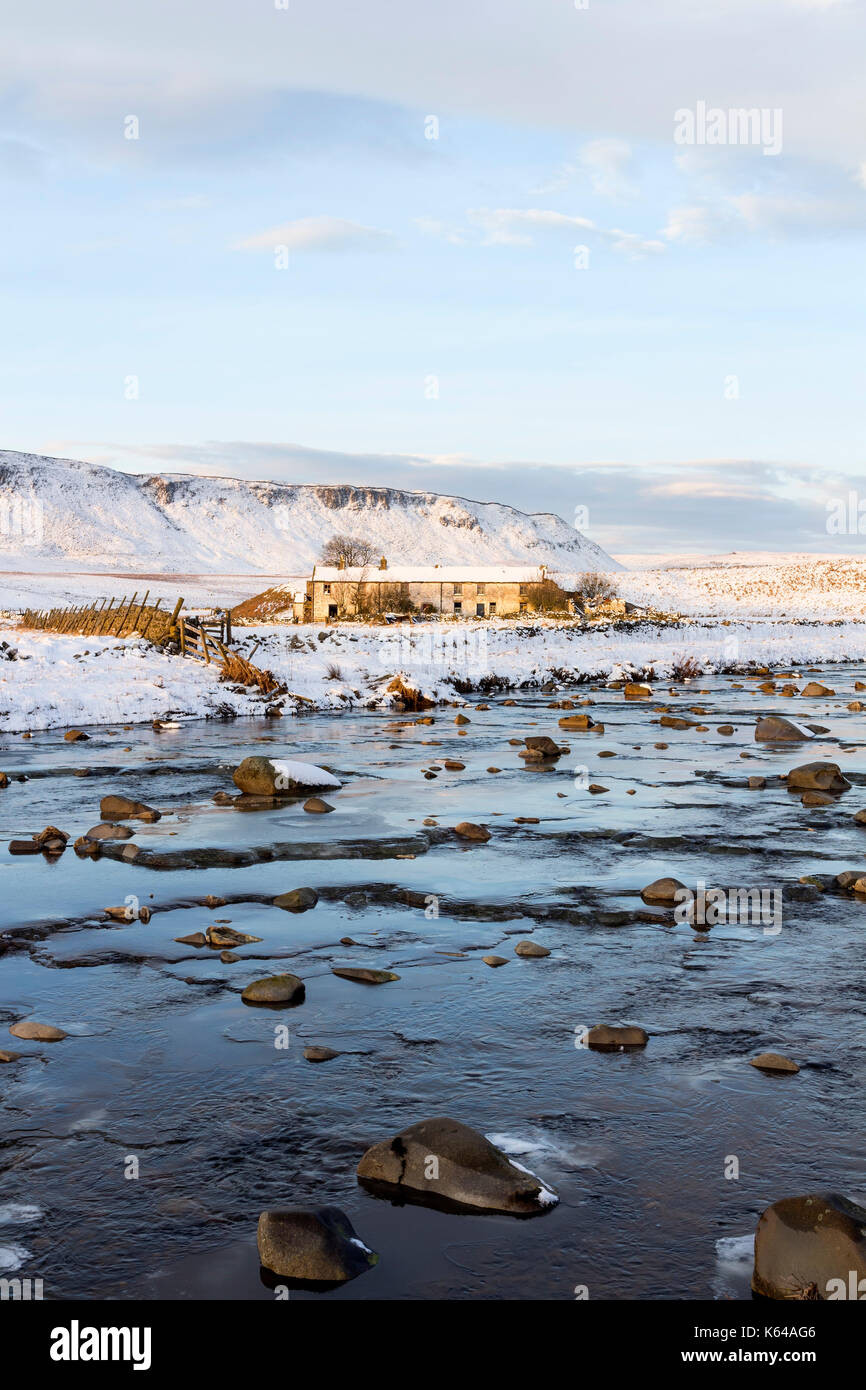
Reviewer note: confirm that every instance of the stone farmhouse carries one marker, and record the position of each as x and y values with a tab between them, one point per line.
467	591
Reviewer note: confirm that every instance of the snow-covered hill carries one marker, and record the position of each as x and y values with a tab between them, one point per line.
62	514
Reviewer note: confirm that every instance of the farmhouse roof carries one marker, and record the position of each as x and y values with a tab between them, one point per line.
431	574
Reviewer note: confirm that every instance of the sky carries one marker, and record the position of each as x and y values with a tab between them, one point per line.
486	247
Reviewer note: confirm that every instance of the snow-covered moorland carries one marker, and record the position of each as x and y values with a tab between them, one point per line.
63	681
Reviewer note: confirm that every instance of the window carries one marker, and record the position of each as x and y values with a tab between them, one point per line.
458	607
458	589
481	588
523	590
326	588
491	609
479	610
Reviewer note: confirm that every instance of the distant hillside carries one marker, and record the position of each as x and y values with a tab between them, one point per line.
62	514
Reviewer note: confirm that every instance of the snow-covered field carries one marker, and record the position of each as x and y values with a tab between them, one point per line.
20	590
818	587
67	681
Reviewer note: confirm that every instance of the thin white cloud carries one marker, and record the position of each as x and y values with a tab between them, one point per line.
607	164
316	234
518	226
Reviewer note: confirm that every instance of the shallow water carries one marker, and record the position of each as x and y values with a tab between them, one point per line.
166	1064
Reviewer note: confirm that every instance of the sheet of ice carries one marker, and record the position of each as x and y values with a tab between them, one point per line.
12	1257
19	1213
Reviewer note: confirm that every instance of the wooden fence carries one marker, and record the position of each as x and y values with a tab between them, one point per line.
204	639
107	617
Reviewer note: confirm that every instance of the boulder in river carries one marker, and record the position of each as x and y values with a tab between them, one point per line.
315	1247
75	736
530	949
773	1061
316	806
277	777
221	937
811	1247
297	900
773	728
816	690
605	1038
107	831
444	1162
124	808
662	890
24	847
275	989
468	830
363	974
543	744
577	722
817	777
313	1052
37	1032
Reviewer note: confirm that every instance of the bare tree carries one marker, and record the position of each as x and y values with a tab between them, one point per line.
349	551
595	586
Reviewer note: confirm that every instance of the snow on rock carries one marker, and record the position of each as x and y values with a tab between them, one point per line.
304	774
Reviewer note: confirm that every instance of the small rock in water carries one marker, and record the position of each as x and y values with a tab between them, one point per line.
811	1247
756	783
773	1061
819	777
37	1032
297	900
542	743
270	777
364	975
75	736
228	957
123	808
773	728
316	1247
468	830
530	948
276	989
316	806
24	847
662	890
223	936
106	831
607	1039
495	960
10	1056
314	1053
471	1172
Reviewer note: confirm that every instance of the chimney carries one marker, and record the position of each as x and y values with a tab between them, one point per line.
383	563
341	563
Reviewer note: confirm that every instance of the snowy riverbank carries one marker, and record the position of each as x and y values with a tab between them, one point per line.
64	681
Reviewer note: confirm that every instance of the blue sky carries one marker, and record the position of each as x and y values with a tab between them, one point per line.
695	380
